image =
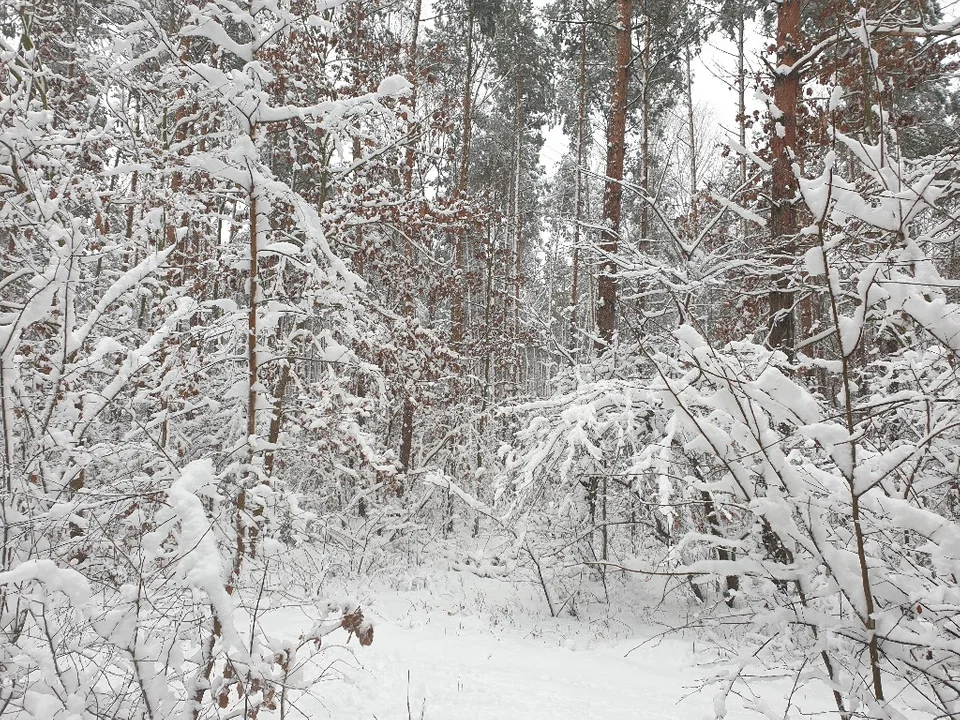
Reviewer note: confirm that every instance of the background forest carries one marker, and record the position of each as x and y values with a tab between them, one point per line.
284	287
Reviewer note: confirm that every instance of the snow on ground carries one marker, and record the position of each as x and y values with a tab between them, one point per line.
453	646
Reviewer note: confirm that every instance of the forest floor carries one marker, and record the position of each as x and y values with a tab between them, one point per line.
454	646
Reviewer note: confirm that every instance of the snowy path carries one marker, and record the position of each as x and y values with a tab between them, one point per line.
474	677
465	665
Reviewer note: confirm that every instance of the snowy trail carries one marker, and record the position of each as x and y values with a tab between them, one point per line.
462	668
463	676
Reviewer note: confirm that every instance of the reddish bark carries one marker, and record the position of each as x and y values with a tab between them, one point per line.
783	145
613	190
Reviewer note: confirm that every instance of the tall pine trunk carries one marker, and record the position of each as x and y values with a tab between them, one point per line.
581	159
457	312
784	220
613	190
692	139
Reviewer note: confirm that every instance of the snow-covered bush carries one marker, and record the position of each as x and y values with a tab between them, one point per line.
166	301
824	483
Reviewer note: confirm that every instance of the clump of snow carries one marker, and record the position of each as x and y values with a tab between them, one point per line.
394	85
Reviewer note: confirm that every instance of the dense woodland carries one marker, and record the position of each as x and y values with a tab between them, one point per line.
286	279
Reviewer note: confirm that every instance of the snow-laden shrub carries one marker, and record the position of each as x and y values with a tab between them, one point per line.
167	300
817	492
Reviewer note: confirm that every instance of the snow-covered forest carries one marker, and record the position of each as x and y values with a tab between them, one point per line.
321	396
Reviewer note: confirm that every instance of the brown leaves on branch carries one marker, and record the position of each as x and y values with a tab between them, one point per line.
355	624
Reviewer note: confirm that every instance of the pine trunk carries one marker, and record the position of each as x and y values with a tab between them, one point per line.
783	143
613	190
457	312
581	159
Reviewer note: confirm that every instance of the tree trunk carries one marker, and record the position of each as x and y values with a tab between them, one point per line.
252	368
276	422
409	404
457	311
742	93
581	158
783	143
517	228
692	136
645	130
613	190
742	104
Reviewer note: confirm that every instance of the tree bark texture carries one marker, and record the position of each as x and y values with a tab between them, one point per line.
613	190
783	144
409	402
457	312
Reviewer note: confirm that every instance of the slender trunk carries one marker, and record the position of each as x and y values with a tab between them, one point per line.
252	368
742	92
517	245
742	104
6	428
870	623
253	380
131	210
413	71
359	257
486	391
613	190
487	317
406	440
591	303
866	80
692	138
457	312
723	554
645	130
604	529
856	514
783	143
467	109
276	422
409	404
517	226
581	157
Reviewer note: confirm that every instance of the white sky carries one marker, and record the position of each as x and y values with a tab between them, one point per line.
713	71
